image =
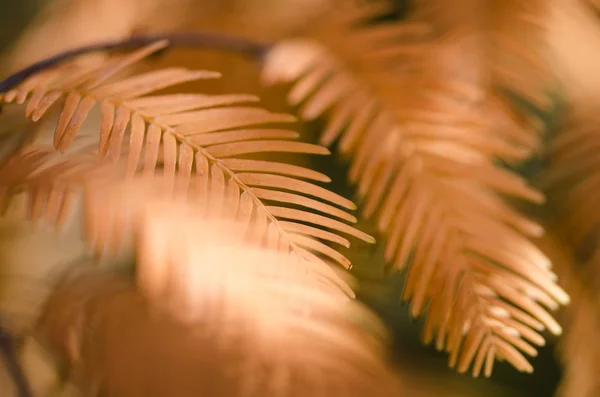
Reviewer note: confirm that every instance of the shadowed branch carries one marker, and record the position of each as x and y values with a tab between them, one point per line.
204	40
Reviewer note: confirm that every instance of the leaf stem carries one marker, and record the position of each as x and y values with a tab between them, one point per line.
7	351
205	40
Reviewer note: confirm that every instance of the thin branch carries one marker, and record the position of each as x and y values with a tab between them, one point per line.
204	40
7	351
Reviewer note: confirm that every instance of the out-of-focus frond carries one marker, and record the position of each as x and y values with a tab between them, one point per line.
424	128
115	209
578	348
511	41
572	183
50	181
215	314
573	176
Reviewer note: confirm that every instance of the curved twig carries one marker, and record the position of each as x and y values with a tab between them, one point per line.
205	40
7	351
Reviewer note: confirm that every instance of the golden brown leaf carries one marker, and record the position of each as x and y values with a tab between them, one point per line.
572	176
195	137
423	134
214	315
50	181
578	348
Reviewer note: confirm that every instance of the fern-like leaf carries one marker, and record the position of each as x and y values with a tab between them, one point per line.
51	182
200	137
229	305
572	176
424	139
578	349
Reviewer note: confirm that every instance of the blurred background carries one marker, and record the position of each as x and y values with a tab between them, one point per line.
33	29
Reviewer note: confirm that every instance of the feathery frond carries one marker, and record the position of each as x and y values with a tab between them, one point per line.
197	137
578	348
572	181
259	326
114	210
50	181
424	139
509	48
572	176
